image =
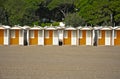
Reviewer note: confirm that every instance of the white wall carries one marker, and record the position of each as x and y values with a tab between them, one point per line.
88	37
107	37
6	37
55	37
41	37
74	37
21	37
60	34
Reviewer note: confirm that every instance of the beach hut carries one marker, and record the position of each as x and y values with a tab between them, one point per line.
105	36
117	36
70	36
16	35
85	35
51	36
36	36
4	35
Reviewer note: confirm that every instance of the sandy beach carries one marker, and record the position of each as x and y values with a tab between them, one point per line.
59	62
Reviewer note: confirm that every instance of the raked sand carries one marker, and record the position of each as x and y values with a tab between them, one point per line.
59	62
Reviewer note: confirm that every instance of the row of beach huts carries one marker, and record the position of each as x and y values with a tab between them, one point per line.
87	35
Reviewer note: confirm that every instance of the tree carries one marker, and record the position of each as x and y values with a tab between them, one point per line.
29	12
22	13
62	7
100	12
2	12
74	20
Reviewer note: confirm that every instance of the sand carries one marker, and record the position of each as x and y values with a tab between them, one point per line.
59	62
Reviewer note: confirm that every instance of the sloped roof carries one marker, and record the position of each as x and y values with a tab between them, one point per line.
16	27
49	28
86	28
36	28
4	27
70	28
106	28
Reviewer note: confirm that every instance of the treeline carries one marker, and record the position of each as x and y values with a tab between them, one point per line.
72	12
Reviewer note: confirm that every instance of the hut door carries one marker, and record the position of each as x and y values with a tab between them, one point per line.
74	38
1	37
88	37
107	37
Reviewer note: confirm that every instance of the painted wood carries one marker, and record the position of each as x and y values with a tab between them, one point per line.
74	37
88	37
15	40
1	37
34	40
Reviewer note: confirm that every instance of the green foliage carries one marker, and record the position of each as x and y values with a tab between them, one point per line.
45	24
49	24
22	12
55	23
63	6
30	12
74	20
56	3
98	12
35	23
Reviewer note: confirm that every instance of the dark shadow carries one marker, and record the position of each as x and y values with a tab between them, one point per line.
25	38
95	38
60	43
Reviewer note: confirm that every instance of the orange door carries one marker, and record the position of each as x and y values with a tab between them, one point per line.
34	37
14	38
101	40
67	37
49	37
83	37
1	37
117	37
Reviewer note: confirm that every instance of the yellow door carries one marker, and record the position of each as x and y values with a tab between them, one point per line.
101	40
49	37
14	39
67	37
117	37
1	37
34	37
83	37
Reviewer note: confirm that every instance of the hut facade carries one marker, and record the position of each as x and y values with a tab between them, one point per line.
51	36
4	35
70	36
16	36
105	36
117	36
36	36
85	36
